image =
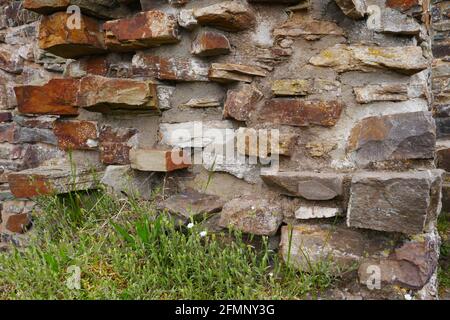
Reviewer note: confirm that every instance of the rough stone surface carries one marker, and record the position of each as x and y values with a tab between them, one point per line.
101	9
50	180
309	185
252	215
300	113
104	94
115	144
393	201
315	212
344	58
73	134
226	72
412	265
241	102
353	8
57	38
312	244
57	97
146	29
228	16
191	205
158	160
210	43
393	137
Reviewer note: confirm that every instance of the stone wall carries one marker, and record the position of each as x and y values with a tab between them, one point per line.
351	86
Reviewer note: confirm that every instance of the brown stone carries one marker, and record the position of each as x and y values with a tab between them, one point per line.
252	215
393	137
308	185
56	37
394	201
227	72
50	180
343	58
144	30
5	117
228	16
165	68
101	9
16	223
105	94
300	113
402	5
353	8
209	43
76	134
411	265
57	97
303	25
158	160
115	145
307	245
241	102
192	204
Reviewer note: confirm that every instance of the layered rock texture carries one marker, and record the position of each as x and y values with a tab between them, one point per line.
323	124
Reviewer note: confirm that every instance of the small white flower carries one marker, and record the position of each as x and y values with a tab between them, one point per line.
203	234
253	208
271	274
408	296
190	225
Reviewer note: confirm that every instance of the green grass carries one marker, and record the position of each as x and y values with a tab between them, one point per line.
127	250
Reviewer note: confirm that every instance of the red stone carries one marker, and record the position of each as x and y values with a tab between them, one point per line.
76	135
146	29
401	5
115	145
57	97
300	113
210	43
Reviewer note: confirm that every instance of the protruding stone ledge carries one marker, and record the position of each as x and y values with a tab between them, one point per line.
173	69
299	113
103	94
252	215
191	205
76	134
308	185
144	30
343	58
228	72
51	180
103	9
394	201
158	160
57	97
228	16
210	43
56	37
311	244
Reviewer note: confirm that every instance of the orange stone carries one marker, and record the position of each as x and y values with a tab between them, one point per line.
57	97
50	180
146	29
57	36
76	135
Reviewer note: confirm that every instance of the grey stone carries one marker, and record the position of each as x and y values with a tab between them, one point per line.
394	201
252	215
309	185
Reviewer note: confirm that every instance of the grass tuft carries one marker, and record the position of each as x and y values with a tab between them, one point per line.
126	249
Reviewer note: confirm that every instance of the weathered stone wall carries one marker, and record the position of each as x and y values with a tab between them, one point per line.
351	85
